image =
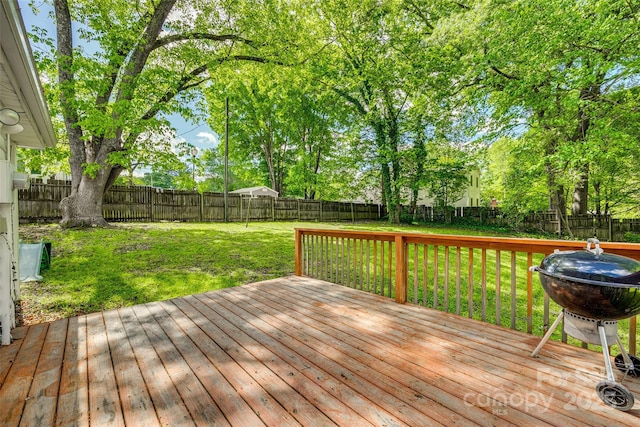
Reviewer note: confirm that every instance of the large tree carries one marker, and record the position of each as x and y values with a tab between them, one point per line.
137	60
555	66
372	61
258	126
281	120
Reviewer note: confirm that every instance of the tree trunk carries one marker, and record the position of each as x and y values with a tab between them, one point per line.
580	193
598	202
395	163
581	189
557	201
414	203
390	188
421	155
83	208
386	191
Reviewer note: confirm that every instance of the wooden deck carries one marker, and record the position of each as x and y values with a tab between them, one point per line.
294	351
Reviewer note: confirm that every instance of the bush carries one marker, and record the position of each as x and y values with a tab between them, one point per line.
632	237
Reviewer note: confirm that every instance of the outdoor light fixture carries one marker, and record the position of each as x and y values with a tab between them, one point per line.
9	116
11	130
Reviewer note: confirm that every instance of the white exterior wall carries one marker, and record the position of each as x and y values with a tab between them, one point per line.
21	92
470	197
256	191
9	289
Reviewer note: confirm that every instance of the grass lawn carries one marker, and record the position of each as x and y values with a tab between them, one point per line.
99	269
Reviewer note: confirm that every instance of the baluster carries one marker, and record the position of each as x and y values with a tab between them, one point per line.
458	251
484	285
349	272
382	268
470	284
498	287
435	276
425	278
375	266
446	279
513	290
415	273
529	293
389	271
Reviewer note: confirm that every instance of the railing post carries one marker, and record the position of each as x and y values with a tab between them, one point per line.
298	255
401	270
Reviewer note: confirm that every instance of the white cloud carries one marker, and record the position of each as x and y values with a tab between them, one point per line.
208	138
175	143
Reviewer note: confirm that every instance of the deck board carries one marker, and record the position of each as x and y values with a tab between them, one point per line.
273	384
170	407
73	396
19	378
104	400
201	407
137	407
43	394
295	351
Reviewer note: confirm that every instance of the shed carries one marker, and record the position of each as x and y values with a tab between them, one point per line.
256	191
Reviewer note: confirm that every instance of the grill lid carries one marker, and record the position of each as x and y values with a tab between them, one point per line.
592	266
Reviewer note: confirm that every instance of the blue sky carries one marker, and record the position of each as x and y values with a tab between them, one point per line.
198	134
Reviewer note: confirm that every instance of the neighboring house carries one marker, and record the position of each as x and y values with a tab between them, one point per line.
256	191
24	122
58	176
469	198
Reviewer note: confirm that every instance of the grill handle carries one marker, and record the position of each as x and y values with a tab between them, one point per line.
596	250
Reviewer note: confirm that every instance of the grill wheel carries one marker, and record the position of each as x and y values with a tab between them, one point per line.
633	372
615	395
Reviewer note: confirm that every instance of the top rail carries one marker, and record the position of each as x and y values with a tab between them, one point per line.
542	246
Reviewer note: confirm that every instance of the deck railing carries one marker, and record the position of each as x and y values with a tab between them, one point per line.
485	278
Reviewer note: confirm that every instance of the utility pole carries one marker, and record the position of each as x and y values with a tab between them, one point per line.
194	153
226	159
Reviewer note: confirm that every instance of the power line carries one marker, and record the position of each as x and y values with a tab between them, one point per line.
189	131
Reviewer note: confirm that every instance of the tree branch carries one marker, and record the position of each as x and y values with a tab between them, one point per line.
187	82
461	5
502	73
110	80
355	102
423	16
143	49
200	36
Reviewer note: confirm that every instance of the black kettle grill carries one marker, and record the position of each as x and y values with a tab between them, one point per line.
595	290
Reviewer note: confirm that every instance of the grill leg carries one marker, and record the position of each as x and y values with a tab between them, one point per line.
548	334
605	352
628	363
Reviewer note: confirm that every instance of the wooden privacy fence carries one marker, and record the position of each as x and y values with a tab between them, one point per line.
604	227
484	278
41	203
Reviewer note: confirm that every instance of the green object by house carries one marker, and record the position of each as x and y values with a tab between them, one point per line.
45	262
